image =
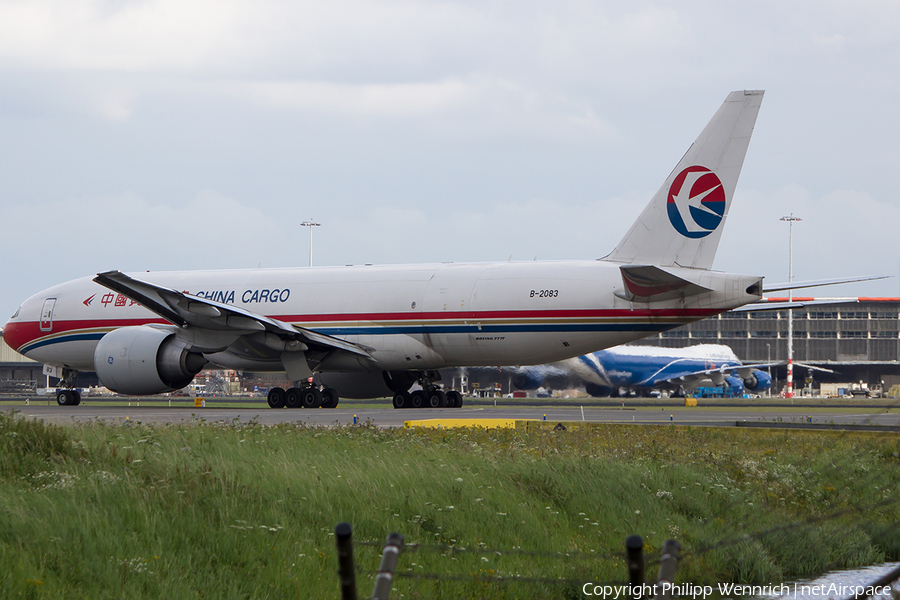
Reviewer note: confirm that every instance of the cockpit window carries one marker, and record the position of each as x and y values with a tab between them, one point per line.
17	313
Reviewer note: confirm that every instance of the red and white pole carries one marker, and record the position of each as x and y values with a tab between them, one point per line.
790	378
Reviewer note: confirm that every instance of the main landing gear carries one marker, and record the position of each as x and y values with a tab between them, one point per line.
67	395
429	397
303	397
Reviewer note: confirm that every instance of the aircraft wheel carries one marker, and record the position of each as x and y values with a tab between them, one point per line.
65	397
311	398
436	399
77	400
292	398
402	400
276	398
455	399
330	398
418	399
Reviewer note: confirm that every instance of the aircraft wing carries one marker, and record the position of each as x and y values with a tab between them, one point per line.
185	310
744	371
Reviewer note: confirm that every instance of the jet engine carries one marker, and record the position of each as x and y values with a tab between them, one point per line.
144	360
758	381
528	378
599	391
737	386
367	384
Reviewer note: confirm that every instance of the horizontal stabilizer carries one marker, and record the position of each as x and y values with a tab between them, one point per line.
765	304
646	282
799	285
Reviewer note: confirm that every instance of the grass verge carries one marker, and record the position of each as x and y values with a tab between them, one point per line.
246	511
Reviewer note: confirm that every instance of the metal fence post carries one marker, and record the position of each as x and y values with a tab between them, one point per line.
668	565
343	533
634	550
389	559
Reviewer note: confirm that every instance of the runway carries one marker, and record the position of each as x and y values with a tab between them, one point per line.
388	417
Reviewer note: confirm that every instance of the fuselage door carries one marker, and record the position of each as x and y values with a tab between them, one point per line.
47	314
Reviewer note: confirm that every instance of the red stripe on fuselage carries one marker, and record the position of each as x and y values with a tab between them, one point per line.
20	333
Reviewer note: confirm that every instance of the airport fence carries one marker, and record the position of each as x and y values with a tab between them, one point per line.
663	587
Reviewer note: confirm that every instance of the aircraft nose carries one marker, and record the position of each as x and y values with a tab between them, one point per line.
16	332
14	335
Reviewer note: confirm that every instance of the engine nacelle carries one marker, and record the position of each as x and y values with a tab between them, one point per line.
737	386
144	360
367	384
598	391
528	378
758	381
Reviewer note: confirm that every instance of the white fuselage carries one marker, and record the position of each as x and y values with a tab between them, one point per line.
406	317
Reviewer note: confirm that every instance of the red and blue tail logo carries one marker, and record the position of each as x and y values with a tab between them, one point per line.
696	202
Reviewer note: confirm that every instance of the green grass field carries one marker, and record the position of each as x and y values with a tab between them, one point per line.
245	511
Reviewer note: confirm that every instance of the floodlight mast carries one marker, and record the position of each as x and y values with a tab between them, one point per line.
790	367
310	224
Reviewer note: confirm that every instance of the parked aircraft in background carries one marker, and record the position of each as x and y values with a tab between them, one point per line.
640	369
370	331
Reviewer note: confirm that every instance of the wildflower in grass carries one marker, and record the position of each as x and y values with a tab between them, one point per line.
104	477
52	480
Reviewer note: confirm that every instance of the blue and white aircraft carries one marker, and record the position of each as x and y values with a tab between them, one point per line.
641	369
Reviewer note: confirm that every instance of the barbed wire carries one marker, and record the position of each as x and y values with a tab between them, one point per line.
494	579
415	547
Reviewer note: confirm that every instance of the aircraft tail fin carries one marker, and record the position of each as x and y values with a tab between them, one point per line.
683	222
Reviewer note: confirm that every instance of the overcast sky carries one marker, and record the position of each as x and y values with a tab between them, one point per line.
173	134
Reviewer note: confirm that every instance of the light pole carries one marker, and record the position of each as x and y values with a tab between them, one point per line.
310	224
790	367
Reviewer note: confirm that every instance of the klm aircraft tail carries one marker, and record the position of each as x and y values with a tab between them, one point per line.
683	223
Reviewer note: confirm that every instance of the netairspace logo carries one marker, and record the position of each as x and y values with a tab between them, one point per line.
832	590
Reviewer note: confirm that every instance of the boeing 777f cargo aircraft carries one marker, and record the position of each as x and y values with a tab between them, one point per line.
373	331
